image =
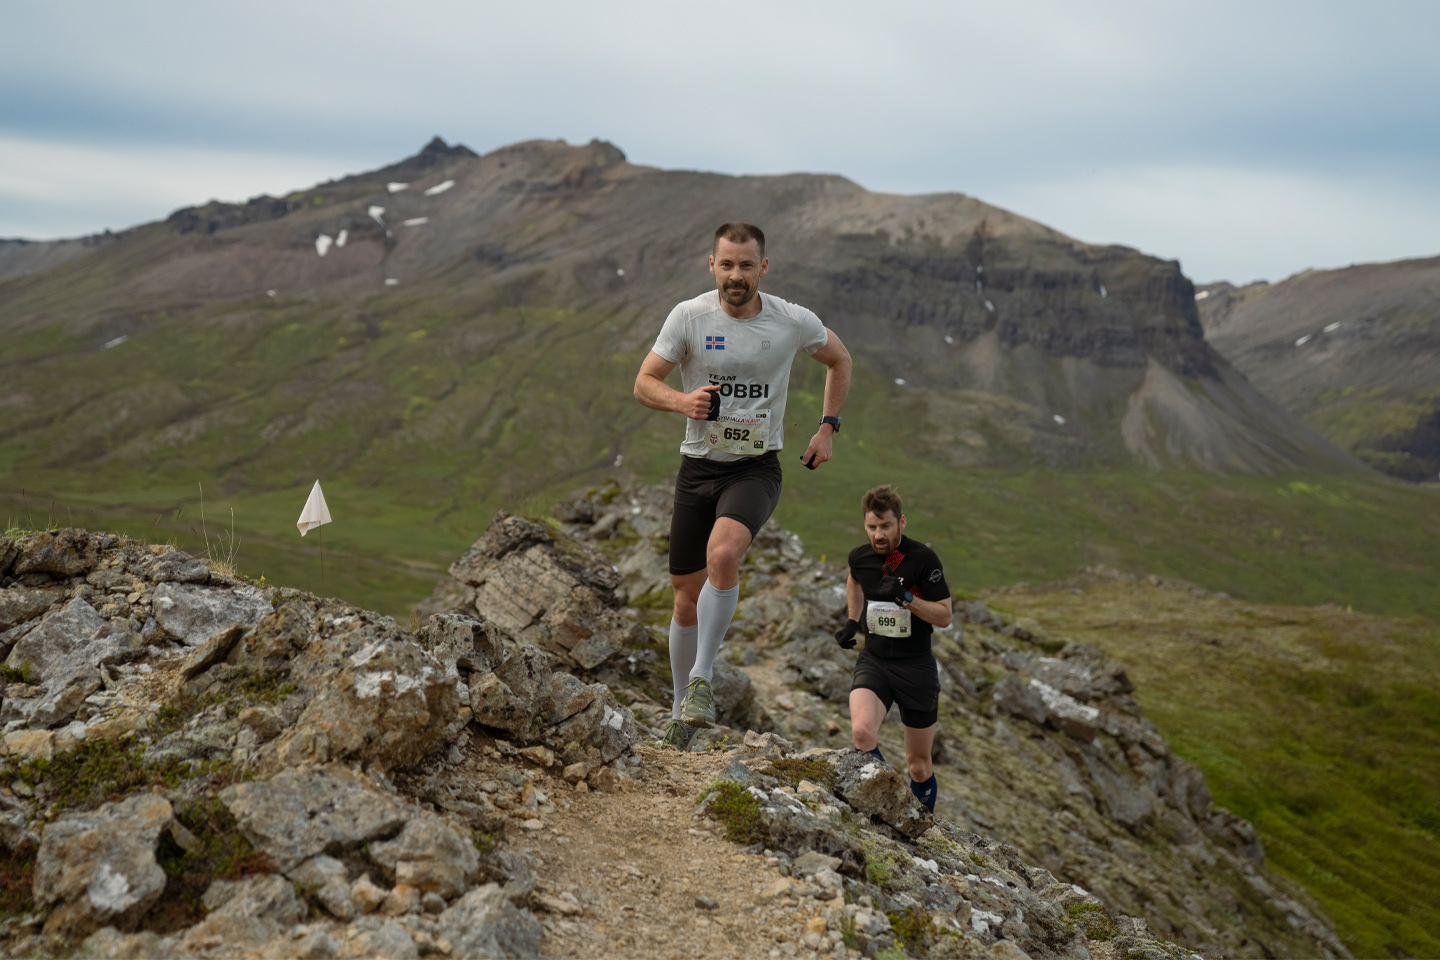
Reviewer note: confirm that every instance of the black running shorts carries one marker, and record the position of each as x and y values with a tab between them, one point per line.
744	490
914	682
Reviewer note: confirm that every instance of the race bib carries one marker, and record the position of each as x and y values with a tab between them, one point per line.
745	434
886	619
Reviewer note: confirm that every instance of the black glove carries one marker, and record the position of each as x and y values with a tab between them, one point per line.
845	636
892	589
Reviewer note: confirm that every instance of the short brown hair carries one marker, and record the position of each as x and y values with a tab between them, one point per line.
881	500
737	231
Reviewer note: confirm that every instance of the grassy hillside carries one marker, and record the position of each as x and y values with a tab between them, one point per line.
420	427
1320	725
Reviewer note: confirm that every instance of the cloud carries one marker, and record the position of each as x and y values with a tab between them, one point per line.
1240	224
1003	101
50	189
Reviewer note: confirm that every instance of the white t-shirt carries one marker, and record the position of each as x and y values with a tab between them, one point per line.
750	359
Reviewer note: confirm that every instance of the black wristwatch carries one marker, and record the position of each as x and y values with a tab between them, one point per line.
834	423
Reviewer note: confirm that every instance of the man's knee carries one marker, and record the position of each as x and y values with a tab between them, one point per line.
920	768
865	736
686	596
725	556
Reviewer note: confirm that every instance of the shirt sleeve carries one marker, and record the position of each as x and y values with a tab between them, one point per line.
674	341
812	332
932	578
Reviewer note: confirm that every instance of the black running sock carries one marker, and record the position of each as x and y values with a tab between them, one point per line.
876	753
926	792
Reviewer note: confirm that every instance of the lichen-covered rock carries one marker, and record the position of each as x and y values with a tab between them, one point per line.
877	790
299	814
71	552
108	943
390	704
1019	699
604	724
430	856
63	655
175	566
18	604
243	915
192	613
469	643
331	883
99	868
514	697
485	923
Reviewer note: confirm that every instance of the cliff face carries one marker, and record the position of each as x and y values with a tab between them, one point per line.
1354	352
1025	344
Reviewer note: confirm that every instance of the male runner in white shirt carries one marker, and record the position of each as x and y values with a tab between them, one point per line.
735	349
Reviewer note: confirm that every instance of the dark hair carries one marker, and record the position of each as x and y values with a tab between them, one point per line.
881	500
737	231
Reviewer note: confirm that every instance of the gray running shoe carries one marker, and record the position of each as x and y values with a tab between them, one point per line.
698	710
679	735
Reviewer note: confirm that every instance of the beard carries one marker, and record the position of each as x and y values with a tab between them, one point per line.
882	550
737	294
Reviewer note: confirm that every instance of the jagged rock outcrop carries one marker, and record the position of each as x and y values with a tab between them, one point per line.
310	779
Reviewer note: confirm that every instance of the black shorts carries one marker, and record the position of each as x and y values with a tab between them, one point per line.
914	682
745	490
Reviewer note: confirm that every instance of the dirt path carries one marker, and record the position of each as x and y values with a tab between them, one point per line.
628	870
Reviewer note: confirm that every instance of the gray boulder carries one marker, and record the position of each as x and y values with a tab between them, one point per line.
176	566
18	604
388	941
485	923
64	654
299	814
99	868
879	791
430	856
192	614
1018	699
244	915
331	883
71	552
470	643
391	704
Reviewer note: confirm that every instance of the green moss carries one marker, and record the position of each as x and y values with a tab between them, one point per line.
100	770
17	877
9	674
978	860
484	841
847	931
737	809
220	852
1092	919
914	929
791	770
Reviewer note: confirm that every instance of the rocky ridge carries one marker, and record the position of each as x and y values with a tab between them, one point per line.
197	765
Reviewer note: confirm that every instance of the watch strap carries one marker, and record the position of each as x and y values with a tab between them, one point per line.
834	423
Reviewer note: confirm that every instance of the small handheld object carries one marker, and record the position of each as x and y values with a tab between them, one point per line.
893	589
714	405
845	636
810	464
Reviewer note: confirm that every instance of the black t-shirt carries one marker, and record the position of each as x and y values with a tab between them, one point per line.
923	576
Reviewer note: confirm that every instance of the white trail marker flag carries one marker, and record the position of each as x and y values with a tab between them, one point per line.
316	513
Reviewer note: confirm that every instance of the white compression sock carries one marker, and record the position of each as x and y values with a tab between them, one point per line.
682	660
715	608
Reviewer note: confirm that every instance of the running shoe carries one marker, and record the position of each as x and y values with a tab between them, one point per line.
698	710
679	735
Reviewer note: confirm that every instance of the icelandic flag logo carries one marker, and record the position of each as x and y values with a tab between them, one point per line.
714	343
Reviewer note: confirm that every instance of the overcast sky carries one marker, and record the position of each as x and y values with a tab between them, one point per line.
1248	140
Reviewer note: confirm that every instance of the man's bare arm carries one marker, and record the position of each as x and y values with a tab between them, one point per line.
936	612
854	598
837	386
652	390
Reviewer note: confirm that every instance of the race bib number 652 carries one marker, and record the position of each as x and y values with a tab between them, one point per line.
742	434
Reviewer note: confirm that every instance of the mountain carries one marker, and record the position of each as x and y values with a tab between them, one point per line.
473	343
1355	353
1028	345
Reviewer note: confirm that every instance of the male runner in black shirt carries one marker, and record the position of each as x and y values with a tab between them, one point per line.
896	595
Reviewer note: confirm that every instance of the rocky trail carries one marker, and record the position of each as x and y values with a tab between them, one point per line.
199	766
